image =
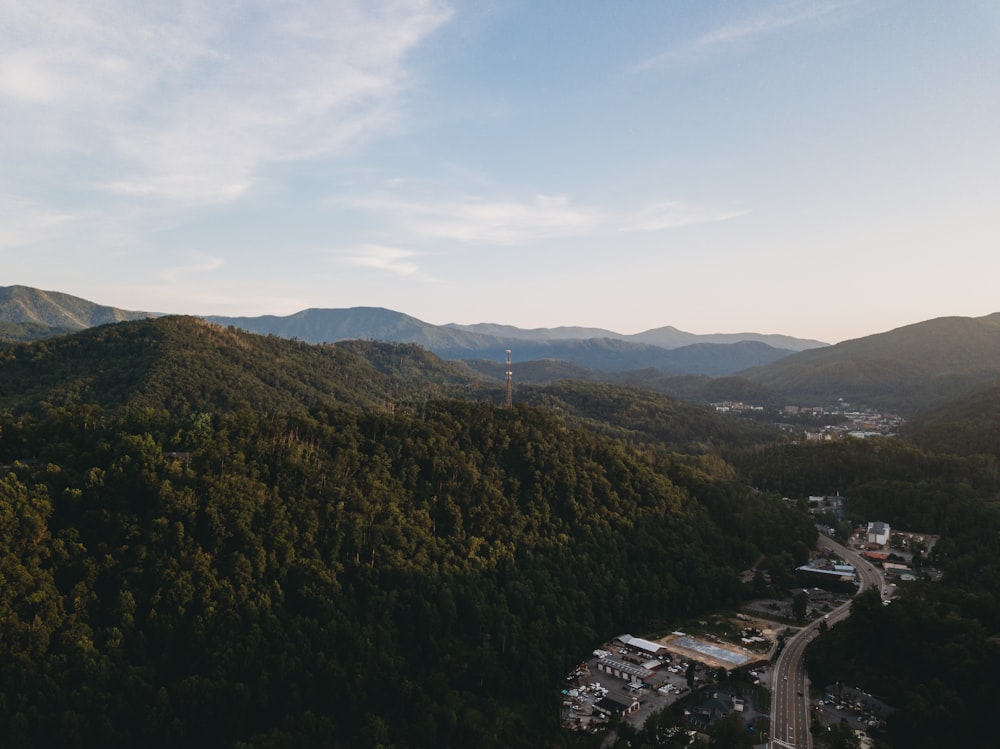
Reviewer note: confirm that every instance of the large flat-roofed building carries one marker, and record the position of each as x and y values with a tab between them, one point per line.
622	670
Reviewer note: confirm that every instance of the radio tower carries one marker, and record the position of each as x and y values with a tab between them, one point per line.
510	381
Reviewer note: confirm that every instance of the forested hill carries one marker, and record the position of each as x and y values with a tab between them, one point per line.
968	425
909	369
644	416
187	364
187	564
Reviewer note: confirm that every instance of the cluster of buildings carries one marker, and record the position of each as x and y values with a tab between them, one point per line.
874	539
851	424
737	407
824	422
630	675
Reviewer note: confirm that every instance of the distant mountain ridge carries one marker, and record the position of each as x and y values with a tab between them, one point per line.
593	348
35	310
316	325
30	314
909	369
666	337
602	356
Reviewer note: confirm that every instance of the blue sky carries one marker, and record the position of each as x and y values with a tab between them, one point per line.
821	168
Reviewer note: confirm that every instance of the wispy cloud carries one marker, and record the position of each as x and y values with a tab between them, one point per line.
186	101
196	264
475	220
762	21
380	257
23	223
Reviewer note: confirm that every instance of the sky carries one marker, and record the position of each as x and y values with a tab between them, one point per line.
827	169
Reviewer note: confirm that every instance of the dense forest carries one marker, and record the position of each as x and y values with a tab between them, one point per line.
213	538
216	539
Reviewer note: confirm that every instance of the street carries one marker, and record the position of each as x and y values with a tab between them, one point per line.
790	688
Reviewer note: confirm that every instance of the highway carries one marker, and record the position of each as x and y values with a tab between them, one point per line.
790	688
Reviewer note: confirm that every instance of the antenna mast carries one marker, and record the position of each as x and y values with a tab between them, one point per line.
510	381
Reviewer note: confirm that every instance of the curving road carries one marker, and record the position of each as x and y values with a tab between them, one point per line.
790	687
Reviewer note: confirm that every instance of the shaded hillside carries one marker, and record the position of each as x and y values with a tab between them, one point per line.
644	416
615	355
700	388
968	425
340	577
721	359
534	372
696	388
592	399
412	364
12	332
39	310
907	369
184	363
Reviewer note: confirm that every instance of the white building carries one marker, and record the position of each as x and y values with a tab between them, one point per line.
878	533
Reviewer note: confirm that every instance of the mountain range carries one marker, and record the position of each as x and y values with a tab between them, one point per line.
910	369
329	325
596	349
32	313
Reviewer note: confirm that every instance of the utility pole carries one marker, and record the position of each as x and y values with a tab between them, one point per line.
510	383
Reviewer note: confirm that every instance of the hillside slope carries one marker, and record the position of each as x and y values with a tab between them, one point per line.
907	369
967	425
185	363
214	538
51	312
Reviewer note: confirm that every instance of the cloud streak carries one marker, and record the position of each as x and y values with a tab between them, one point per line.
187	102
481	221
764	21
380	257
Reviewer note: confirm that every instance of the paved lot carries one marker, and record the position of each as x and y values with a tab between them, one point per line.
580	710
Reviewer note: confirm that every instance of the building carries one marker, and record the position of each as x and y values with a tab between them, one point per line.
878	533
609	706
624	671
645	647
716	706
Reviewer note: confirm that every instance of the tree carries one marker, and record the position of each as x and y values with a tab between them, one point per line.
729	733
800	602
840	736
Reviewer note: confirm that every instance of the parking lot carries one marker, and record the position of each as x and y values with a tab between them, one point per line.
852	706
586	687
